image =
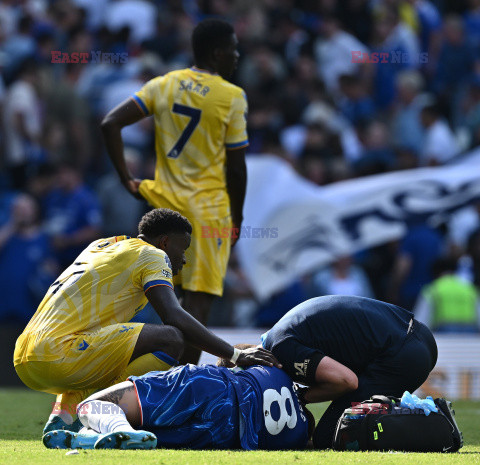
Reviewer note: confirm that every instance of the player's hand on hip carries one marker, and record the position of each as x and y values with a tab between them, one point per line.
132	186
257	356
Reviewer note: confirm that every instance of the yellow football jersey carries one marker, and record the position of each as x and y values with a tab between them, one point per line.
105	285
198	115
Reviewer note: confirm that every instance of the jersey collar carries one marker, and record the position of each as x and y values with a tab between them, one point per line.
199	70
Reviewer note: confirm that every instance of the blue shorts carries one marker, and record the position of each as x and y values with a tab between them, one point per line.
190	406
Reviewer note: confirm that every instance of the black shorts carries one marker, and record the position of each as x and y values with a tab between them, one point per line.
298	360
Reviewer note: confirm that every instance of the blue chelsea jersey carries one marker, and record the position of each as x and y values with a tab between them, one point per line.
270	414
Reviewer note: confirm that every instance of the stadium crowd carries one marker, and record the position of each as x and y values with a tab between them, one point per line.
339	89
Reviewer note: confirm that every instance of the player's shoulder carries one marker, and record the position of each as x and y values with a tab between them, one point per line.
261	372
175	75
262	369
234	90
145	247
149	253
127	244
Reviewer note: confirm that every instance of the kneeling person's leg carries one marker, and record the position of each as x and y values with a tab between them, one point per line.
110	355
202	276
158	348
198	304
406	370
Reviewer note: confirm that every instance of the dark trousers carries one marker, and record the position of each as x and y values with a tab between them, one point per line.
391	376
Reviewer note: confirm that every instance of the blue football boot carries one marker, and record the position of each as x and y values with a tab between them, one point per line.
57	423
127	440
64	439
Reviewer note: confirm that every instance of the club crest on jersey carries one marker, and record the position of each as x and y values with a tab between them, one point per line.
83	345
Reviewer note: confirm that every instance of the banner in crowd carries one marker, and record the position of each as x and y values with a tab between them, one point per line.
292	227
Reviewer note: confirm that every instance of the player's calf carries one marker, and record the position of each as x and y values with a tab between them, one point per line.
107	413
113	409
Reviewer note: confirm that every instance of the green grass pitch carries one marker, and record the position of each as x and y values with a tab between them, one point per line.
23	413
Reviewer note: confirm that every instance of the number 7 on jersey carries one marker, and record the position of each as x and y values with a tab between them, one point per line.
194	115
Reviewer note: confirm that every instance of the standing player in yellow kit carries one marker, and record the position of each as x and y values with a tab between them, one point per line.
200	140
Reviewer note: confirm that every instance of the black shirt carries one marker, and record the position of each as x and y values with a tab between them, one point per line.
352	330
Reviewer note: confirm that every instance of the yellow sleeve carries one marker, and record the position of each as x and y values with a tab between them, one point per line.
236	136
145	97
152	269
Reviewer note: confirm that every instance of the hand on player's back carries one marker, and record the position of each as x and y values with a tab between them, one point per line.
257	356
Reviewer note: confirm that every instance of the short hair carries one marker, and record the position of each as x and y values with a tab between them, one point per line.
208	35
223	362
163	221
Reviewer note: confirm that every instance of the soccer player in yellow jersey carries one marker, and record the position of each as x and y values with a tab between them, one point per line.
79	339
200	140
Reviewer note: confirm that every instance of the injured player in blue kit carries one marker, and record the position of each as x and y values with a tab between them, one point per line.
194	407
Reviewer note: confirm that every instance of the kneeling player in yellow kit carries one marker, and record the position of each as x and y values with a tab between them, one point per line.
79	339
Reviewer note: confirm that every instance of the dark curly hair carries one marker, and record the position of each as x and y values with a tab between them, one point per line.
163	221
208	35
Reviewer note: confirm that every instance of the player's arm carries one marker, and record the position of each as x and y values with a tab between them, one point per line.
122	115
236	175
165	303
332	380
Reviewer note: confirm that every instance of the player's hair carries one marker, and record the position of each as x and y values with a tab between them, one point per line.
208	35
162	221
223	362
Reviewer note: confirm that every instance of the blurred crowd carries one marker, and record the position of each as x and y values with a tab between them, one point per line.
339	89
